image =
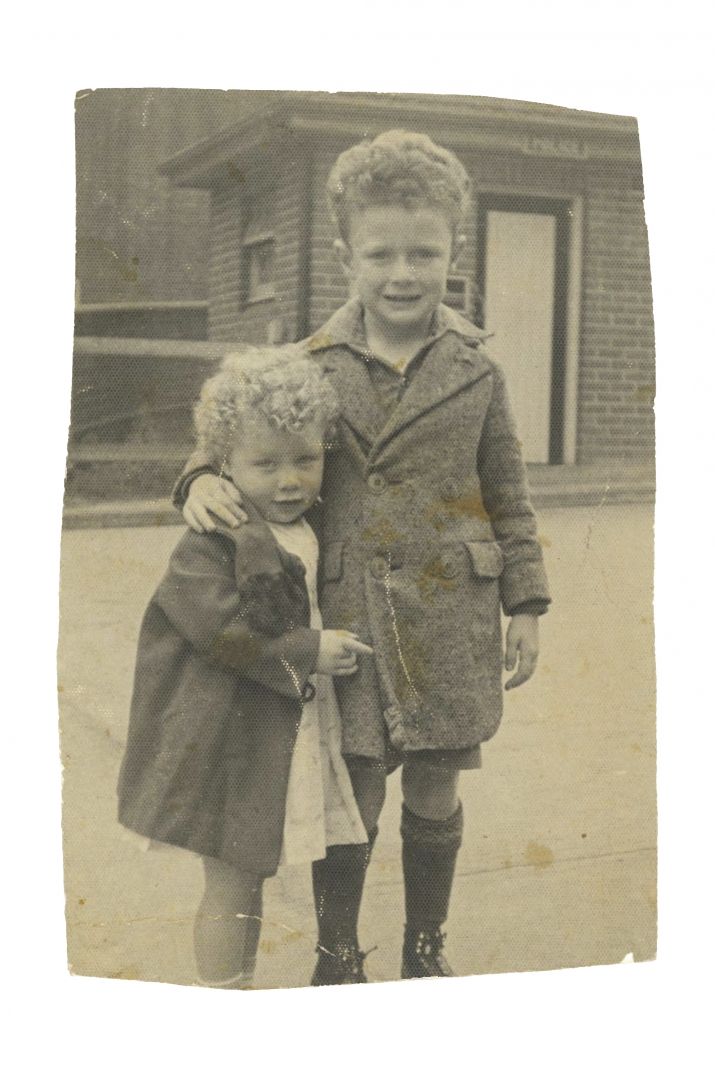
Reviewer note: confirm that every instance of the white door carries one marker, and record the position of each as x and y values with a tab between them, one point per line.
519	283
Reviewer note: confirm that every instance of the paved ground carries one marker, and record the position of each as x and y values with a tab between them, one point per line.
558	867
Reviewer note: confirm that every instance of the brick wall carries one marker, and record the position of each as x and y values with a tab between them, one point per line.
225	265
617	355
280	201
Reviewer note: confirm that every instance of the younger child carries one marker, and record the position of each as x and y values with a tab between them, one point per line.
427	529
234	737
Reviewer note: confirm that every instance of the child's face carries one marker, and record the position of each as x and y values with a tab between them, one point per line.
397	261
280	471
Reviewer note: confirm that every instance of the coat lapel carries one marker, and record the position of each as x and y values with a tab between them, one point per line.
256	550
452	363
351	379
339	348
449	366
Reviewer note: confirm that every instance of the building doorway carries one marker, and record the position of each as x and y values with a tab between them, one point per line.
523	245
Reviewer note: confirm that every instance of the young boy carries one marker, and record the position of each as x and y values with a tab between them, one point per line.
427	528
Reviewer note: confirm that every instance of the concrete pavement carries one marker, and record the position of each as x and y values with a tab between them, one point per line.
558	865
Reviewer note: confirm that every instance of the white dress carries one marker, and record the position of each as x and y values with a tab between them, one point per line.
321	810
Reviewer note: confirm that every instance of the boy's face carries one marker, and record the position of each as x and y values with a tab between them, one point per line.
280	471
397	261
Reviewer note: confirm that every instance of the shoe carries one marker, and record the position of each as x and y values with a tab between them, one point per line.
342	966
422	954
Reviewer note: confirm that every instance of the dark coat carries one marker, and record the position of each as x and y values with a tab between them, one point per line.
223	662
427	533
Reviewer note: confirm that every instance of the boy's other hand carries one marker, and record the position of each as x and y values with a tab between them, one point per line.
522	644
210	498
338	652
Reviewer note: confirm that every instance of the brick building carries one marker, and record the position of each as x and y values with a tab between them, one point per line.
556	263
229	240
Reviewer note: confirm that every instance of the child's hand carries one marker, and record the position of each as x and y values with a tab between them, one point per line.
522	640
210	494
338	652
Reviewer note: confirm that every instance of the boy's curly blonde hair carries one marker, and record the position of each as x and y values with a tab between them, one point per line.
397	168
282	384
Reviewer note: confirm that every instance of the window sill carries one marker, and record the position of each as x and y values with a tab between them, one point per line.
253	300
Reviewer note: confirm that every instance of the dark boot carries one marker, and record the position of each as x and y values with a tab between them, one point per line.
422	953
344	966
429	856
338	882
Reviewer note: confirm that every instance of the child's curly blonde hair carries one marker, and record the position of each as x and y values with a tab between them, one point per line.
397	168
282	384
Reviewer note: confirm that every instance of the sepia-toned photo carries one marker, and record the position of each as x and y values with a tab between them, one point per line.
356	671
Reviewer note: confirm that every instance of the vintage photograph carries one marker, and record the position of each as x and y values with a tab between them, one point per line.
356	672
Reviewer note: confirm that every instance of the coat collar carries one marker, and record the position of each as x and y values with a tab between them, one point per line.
454	360
359	406
256	549
449	366
347	327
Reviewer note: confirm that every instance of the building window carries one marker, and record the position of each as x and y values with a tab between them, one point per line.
259	259
459	295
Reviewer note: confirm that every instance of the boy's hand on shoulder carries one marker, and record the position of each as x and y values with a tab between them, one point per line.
210	498
338	652
522	646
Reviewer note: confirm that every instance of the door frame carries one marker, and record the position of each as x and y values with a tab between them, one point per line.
568	210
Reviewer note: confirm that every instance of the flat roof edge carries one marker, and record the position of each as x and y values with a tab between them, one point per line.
463	119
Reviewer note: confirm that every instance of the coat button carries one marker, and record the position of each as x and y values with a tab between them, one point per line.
449	489
379	567
377	482
413	711
449	565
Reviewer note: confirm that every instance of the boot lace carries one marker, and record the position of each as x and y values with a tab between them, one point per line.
349	956
429	945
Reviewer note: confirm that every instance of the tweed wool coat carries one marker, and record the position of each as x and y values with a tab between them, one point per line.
223	663
427	534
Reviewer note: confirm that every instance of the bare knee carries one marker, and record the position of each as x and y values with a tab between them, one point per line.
430	791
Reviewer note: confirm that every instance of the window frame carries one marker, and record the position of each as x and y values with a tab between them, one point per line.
265	290
466	297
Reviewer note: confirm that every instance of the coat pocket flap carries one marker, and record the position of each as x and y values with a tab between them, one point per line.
487	559
332	561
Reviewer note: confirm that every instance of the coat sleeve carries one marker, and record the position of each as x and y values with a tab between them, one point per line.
197	464
208	607
505	495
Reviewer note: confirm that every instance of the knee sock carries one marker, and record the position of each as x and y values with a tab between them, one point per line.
338	882
227	928
429	856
